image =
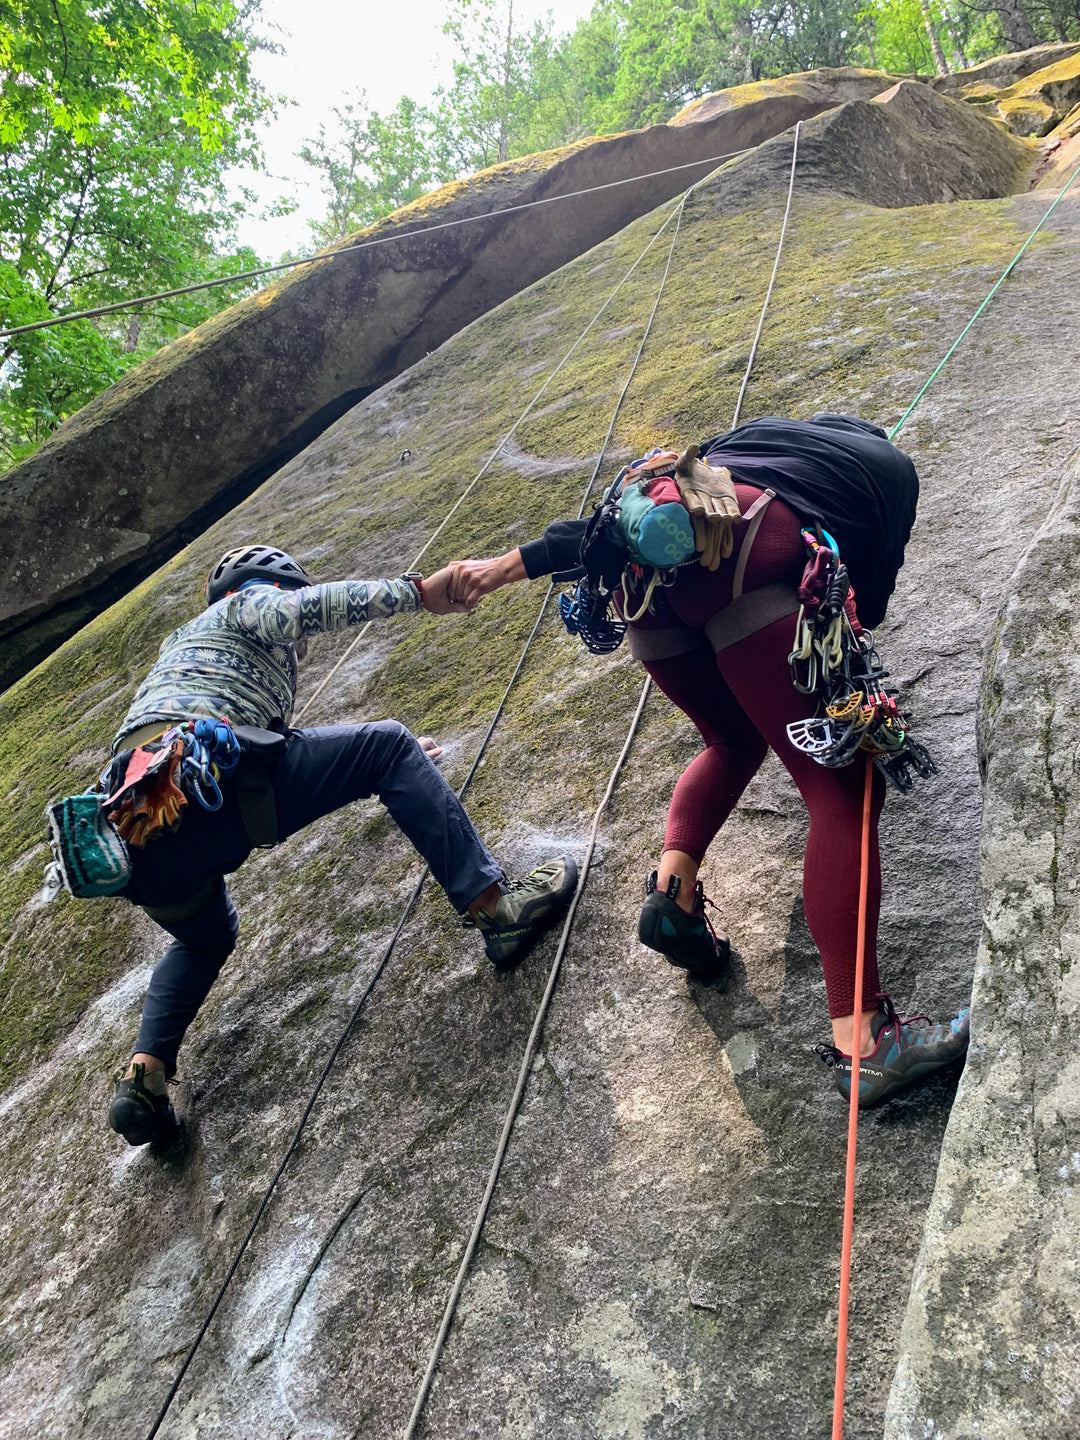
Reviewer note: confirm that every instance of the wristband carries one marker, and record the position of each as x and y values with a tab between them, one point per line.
415	578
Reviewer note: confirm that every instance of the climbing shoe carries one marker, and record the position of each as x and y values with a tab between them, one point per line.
688	941
905	1051
140	1115
525	910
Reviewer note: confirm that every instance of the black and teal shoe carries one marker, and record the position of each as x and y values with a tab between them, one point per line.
525	910
905	1052
140	1115
688	941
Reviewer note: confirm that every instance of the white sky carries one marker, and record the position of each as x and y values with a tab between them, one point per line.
331	47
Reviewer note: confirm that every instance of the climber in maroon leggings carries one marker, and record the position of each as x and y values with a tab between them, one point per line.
717	643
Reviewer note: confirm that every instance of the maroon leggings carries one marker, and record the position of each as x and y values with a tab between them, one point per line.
741	701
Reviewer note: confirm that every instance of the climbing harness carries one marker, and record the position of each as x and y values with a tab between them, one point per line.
612	543
144	791
834	658
139	795
636	526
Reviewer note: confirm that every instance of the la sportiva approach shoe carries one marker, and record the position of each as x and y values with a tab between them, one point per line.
906	1051
525	910
688	941
142	1116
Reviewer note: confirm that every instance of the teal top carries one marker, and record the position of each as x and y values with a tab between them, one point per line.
238	658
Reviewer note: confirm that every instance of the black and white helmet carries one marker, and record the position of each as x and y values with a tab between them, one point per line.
253	562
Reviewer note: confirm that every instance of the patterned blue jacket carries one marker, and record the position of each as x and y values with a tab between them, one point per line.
238	658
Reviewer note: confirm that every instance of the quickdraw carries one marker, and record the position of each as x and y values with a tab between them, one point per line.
834	658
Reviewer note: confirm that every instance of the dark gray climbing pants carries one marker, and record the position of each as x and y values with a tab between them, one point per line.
179	879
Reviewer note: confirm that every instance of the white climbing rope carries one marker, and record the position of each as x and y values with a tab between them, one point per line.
772	280
522	1082
676	214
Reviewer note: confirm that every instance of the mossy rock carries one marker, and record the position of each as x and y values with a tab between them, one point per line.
827	87
1038	103
665	1233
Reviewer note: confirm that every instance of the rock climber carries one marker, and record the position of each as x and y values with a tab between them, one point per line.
716	638
238	660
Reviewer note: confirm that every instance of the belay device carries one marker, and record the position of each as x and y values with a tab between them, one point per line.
835	658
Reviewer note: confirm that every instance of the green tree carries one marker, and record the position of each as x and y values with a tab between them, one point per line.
639	61
117	123
370	164
491	110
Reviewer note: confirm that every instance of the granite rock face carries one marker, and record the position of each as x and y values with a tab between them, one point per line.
991	1340
661	1256
825	88
148	464
1039	102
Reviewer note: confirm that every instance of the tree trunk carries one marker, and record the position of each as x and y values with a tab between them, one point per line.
958	47
504	118
935	43
1018	27
131	339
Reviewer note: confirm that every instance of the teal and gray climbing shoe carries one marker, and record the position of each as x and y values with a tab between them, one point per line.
688	941
525	910
905	1052
141	1115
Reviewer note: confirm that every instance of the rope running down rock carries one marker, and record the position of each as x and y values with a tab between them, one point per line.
1001	280
448	1316
415	562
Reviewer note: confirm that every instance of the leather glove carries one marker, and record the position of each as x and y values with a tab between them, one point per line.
708	493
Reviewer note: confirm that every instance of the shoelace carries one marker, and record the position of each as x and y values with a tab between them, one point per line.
702	899
833	1056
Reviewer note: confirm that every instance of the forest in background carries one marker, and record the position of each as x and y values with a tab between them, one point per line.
120	123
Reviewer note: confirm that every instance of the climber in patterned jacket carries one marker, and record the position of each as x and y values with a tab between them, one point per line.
238	660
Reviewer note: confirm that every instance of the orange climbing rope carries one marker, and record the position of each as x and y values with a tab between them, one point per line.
853	1114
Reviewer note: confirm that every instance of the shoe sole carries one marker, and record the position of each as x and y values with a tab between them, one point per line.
536	917
650	934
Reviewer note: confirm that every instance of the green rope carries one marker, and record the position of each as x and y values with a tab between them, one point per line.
1004	276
